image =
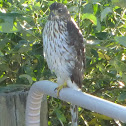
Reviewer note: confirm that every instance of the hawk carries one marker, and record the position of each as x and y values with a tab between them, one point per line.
64	50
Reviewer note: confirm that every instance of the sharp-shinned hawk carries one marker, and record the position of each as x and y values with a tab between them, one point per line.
63	46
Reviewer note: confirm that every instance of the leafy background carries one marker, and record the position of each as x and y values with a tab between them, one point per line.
103	24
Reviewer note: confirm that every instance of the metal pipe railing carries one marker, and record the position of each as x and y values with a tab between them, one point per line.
79	98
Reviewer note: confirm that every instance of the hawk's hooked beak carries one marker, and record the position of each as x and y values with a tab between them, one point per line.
51	15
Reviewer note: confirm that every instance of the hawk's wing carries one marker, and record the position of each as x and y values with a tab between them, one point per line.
77	41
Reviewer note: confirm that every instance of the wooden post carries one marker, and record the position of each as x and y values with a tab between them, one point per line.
12	109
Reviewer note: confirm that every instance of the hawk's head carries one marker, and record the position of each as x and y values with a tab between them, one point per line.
58	11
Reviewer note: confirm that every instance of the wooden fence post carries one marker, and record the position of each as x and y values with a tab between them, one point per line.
12	109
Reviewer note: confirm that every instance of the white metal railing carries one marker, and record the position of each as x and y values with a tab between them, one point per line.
79	98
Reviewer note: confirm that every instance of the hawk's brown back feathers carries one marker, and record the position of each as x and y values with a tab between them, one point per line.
76	40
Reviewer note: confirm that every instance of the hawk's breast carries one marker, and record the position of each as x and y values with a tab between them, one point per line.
58	52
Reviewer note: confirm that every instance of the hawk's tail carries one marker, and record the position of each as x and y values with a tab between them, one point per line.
74	114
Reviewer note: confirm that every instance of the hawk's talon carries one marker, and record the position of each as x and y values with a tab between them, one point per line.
59	88
55	89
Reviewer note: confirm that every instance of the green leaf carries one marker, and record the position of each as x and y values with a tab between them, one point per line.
102	35
105	12
28	77
95	1
103	56
93	121
97	115
3	15
94	52
1	54
88	8
8	25
60	115
4	67
120	3
95	7
115	1
91	17
121	40
98	28
24	49
3	78
122	97
124	76
73	9
49	123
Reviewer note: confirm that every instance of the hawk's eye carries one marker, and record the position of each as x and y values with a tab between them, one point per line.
60	10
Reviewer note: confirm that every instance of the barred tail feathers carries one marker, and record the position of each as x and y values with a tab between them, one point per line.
74	114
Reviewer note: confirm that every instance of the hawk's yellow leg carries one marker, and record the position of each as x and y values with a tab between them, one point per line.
61	87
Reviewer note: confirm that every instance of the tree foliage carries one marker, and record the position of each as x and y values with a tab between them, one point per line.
103	24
